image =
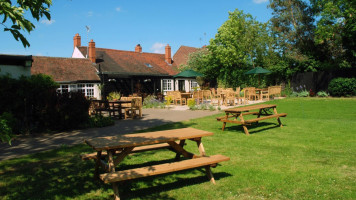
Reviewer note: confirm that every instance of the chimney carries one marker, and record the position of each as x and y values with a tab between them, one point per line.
168	57
138	48
77	40
92	53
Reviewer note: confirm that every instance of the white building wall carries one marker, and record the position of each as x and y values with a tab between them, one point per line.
77	53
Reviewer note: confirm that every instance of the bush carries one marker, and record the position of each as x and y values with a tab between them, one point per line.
322	94
342	87
36	106
113	96
100	121
191	103
7	122
303	93
169	100
151	101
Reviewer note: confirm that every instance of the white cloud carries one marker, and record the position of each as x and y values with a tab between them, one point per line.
118	9
259	1
48	22
158	48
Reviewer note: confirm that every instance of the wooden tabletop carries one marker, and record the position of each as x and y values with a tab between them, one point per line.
247	108
140	139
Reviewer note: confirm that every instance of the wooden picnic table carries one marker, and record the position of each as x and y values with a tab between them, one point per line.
263	110
118	147
112	107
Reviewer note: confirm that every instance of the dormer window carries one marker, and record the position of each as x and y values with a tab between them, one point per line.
148	65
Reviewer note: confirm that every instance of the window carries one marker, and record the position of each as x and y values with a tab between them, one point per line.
193	84
67	88
86	89
167	84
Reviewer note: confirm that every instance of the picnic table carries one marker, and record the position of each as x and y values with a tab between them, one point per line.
116	148
112	107
240	112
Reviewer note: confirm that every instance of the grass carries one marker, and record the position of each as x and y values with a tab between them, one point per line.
312	157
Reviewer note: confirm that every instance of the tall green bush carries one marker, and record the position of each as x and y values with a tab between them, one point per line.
36	106
342	87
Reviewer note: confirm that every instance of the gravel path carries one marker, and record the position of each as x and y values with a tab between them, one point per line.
151	117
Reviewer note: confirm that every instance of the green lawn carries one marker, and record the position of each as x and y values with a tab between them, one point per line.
312	157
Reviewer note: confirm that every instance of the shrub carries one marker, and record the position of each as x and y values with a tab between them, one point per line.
151	101
342	87
191	103
100	121
113	96
169	100
303	93
322	94
7	122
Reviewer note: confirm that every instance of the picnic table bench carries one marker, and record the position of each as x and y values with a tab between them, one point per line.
118	147
248	110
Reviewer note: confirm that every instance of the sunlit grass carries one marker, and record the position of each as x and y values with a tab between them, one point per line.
312	157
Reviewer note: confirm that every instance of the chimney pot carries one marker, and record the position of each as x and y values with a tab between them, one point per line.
92	52
138	48
168	56
77	40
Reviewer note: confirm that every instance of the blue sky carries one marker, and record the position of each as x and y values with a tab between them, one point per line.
122	24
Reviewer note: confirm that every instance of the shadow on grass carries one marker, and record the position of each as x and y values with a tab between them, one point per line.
61	174
130	189
254	128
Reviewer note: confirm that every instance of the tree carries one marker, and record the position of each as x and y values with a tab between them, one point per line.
18	21
241	43
293	25
336	30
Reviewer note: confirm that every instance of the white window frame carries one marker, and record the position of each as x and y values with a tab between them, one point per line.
193	83
167	84
86	88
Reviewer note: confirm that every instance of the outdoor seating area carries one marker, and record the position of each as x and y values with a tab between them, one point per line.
225	96
125	107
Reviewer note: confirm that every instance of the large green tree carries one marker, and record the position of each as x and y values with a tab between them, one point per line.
293	25
15	19
240	44
336	30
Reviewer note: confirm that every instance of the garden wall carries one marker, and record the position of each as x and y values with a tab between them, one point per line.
319	81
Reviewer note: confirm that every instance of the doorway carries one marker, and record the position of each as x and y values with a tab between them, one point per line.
181	85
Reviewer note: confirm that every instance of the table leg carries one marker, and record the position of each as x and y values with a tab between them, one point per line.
279	120
202	153
179	149
259	114
97	164
243	125
181	143
112	169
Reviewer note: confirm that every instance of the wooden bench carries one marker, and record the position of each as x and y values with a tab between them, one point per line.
250	121
162	168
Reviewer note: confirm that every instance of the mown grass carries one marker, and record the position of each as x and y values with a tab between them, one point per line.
312	157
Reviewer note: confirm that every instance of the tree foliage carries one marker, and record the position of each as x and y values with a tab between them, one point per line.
14	19
336	30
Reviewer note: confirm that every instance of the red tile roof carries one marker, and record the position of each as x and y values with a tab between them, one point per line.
182	55
65	69
132	63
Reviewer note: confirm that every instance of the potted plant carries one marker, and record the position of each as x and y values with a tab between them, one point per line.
113	96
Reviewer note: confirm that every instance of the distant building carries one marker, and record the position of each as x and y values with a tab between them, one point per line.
132	71
15	65
181	56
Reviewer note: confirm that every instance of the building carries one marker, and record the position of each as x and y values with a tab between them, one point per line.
130	71
72	74
15	65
